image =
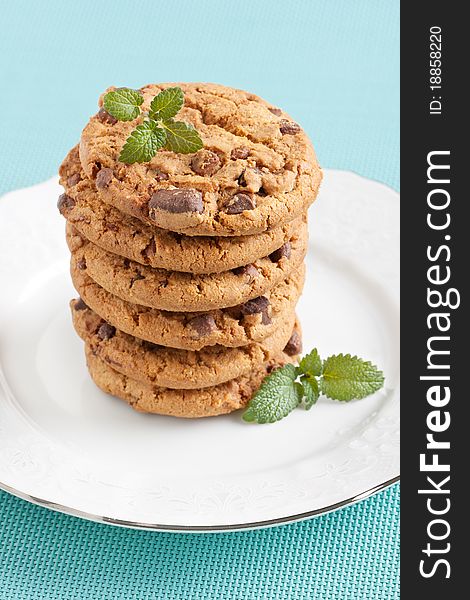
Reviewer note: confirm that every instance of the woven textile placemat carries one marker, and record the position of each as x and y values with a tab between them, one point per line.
334	66
349	554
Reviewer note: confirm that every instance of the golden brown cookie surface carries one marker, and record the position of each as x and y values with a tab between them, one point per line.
177	291
193	331
170	367
257	169
206	402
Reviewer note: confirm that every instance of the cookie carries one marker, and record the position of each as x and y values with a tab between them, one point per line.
206	402
193	331
176	291
127	236
172	368
257	169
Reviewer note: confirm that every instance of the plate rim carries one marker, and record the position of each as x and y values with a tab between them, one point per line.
174	528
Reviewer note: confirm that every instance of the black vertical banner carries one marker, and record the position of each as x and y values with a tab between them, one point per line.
435	326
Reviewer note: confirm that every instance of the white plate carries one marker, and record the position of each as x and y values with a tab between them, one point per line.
66	445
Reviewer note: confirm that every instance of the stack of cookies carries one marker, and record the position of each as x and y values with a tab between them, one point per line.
189	267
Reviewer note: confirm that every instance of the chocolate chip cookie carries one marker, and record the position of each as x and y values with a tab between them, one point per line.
232	327
172	368
127	236
176	291
257	169
206	402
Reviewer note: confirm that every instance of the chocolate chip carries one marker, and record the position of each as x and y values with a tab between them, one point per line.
234	312
160	176
202	325
250	270
252	307
242	152
239	203
106	331
104	117
81	264
275	111
205	163
289	127
294	345
283	251
241	179
176	201
265	318
64	203
79	305
104	178
73	179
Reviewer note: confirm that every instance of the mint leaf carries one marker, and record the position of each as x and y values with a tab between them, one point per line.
166	104
277	396
347	377
181	137
310	390
123	104
143	143
311	363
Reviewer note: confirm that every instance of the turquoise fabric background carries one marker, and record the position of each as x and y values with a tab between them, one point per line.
334	66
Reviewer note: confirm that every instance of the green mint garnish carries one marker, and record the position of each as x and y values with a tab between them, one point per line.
158	129
166	104
347	377
311	364
143	143
310	390
277	396
181	137
123	104
340	377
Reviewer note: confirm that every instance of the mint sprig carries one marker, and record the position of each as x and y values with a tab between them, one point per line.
340	377
158	129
